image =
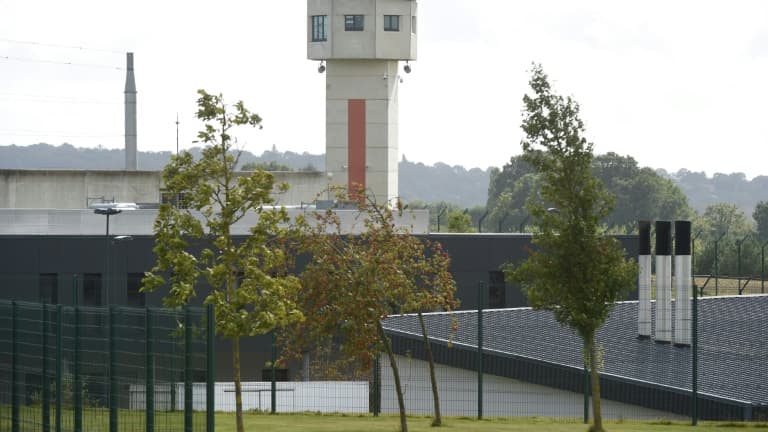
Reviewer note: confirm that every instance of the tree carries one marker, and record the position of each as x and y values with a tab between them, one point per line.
460	222
266	166
353	282
576	270
760	215
249	284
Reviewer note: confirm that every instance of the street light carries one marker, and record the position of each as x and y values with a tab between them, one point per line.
110	209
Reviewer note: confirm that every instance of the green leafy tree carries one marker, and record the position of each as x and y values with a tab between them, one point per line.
266	166
460	222
353	282
725	224
640	193
760	215
249	284
575	270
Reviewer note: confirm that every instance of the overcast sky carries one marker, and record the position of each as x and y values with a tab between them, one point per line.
675	84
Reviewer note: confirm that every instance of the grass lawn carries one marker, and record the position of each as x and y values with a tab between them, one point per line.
389	423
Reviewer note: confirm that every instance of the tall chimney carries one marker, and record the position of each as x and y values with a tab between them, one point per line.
644	281
663	329
130	116
683	285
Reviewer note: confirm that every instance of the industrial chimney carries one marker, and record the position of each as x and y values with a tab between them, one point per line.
663	328
130	116
644	281
683	285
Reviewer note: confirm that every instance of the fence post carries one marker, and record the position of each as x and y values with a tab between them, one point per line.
273	387
187	370
480	301
113	382
695	360
149	374
209	395
46	385
586	387
376	386
78	385
15	424
59	361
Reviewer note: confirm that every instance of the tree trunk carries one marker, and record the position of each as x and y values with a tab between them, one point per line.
438	421
396	376
238	386
597	425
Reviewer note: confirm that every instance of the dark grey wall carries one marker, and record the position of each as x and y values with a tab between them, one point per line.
24	258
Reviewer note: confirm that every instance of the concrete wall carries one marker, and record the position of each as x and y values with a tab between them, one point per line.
502	397
314	396
376	82
75	189
371	43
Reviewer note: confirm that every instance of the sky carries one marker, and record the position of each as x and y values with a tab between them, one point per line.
674	84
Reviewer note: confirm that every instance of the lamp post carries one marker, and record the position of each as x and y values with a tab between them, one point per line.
110	209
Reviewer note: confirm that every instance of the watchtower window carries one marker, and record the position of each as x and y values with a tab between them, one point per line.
319	32
392	23
354	22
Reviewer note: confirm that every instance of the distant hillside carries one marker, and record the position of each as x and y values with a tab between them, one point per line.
431	183
466	188
720	188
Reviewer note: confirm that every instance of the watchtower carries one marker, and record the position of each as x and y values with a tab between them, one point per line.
359	44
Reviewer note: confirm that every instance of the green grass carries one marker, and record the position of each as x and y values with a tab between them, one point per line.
96	419
388	423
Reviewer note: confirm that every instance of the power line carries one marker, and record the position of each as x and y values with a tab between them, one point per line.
31	133
66	63
81	48
38	98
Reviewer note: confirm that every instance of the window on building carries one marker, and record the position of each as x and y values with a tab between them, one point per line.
392	23
413	24
92	289
354	22
49	288
319	32
133	296
176	200
496	290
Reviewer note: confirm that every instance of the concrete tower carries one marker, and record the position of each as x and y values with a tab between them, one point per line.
360	44
130	116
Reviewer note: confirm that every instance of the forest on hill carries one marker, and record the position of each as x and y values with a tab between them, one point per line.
439	183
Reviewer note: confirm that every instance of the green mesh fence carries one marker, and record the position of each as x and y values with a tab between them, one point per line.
65	368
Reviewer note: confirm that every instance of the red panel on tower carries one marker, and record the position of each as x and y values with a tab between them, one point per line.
356	145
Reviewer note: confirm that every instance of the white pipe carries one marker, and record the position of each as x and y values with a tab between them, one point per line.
682	335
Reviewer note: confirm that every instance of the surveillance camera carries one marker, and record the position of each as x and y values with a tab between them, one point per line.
407	68
321	68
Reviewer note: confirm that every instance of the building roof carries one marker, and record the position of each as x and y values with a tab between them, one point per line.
732	345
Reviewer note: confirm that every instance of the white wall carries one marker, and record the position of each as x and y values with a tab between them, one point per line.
74	189
315	396
502	397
